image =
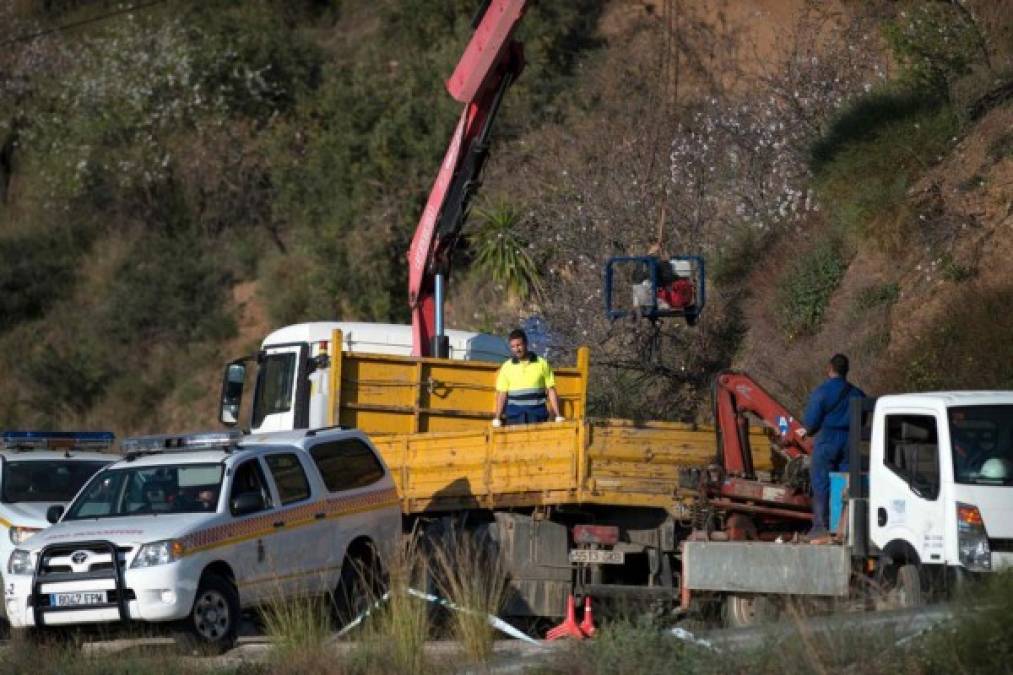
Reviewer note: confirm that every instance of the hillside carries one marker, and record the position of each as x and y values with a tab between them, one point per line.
174	183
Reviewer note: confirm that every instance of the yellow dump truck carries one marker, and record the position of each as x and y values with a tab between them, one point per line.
600	503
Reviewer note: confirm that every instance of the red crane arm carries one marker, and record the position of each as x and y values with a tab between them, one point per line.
491	61
735	395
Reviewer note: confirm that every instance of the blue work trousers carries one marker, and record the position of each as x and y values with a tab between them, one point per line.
526	414
829	454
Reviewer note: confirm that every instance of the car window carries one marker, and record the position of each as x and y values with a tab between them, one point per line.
45	481
289	477
250	478
132	490
346	464
912	452
275	379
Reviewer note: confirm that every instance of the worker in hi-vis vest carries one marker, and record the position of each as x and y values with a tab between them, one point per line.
525	386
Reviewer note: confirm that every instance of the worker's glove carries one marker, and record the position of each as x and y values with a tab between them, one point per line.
560	418
497	422
801	433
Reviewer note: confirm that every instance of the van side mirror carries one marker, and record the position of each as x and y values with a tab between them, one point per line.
232	393
247	502
54	513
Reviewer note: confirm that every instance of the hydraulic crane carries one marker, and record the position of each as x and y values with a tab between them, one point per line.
735	486
490	63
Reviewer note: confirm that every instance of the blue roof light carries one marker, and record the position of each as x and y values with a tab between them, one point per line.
58	440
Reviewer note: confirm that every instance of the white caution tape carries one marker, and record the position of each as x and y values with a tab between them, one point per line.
494	621
362	617
686	636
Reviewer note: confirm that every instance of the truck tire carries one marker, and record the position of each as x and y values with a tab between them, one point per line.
742	611
214	619
908	587
360	585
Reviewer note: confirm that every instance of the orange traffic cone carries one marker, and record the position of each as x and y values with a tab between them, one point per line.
587	625
569	626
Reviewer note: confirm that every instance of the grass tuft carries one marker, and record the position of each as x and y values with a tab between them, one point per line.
393	638
470	573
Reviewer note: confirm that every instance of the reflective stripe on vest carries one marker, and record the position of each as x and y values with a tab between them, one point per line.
526	397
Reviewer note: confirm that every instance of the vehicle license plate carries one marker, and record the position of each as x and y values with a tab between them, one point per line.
77	599
597	556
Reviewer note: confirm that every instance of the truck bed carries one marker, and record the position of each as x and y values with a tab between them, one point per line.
615	462
430	419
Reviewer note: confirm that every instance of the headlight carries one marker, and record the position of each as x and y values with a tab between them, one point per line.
20	535
972	540
20	562
158	553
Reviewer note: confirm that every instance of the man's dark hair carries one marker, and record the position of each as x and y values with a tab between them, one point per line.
839	364
518	334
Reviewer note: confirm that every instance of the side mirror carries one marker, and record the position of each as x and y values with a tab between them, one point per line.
54	513
248	502
232	393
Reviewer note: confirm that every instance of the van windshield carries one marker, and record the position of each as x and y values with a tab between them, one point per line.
46	481
982	440
185	488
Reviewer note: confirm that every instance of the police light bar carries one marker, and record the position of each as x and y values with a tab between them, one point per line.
58	440
176	442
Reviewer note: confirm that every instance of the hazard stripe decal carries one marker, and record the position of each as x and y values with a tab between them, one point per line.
298	516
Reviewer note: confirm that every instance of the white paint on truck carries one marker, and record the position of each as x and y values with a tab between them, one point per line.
285	352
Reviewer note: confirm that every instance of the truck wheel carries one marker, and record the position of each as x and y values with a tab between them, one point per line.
907	589
360	585
214	620
742	611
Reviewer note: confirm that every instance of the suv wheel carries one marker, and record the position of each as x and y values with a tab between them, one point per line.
214	620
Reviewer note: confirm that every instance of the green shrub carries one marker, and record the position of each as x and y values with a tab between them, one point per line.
936	43
863	173
868	118
170	288
980	639
36	269
877	295
804	291
952	270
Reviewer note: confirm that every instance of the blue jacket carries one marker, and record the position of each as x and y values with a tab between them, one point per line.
822	415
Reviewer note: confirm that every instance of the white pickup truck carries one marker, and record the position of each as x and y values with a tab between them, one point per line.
196	529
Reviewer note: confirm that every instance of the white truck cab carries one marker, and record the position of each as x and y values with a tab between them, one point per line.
291	386
929	505
198	528
941	479
39	470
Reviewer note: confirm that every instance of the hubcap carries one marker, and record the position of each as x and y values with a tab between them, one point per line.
211	616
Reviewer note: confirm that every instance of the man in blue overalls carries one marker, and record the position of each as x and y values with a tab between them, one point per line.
826	418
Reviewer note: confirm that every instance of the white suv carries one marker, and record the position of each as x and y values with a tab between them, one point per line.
40	469
198	528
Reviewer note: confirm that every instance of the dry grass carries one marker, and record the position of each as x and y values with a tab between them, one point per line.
392	639
470	574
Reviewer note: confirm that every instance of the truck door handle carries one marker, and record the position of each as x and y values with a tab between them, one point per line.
280	523
319	516
881	516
